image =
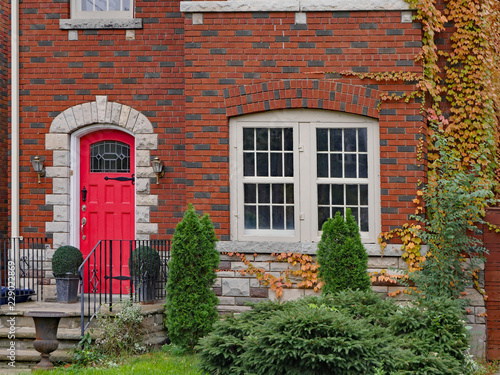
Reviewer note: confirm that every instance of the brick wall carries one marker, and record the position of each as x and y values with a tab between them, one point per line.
239	63
145	73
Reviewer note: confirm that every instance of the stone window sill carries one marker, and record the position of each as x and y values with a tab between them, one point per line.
75	24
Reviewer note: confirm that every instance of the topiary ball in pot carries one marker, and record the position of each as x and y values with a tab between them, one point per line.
65	264
144	266
66	260
144	263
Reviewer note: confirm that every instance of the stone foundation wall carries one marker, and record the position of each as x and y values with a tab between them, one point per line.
234	288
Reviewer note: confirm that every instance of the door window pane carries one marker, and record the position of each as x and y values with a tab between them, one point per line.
110	156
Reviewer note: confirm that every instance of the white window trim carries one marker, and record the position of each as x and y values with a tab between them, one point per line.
305	196
76	13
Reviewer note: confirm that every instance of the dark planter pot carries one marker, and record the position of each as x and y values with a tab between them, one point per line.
67	288
145	290
46	324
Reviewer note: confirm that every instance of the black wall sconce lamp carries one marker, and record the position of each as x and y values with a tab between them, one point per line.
157	165
38	167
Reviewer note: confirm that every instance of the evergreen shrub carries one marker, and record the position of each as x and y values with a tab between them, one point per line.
190	308
66	259
341	255
350	332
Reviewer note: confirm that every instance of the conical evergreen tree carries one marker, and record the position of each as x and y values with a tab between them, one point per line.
341	255
191	303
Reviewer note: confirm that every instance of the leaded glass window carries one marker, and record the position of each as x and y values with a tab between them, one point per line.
110	156
105	5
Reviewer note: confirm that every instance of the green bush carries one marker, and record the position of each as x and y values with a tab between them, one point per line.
351	332
341	255
66	259
190	309
144	263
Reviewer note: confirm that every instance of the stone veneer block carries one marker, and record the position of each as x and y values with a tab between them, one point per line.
70	118
55	172
78	114
146	141
57	199
60	158
60	186
142	214
145	228
236	287
142	185
124	113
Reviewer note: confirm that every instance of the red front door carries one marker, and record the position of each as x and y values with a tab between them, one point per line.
107	197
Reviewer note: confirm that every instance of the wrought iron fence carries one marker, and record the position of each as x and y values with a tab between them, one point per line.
23	269
106	278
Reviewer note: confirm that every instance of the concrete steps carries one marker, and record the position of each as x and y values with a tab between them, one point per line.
17	328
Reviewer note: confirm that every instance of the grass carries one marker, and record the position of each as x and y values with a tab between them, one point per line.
151	363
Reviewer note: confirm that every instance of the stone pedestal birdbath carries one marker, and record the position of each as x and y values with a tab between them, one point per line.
46	324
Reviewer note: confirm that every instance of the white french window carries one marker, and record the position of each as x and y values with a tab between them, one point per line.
292	170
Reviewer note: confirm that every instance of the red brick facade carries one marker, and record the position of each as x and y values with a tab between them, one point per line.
189	79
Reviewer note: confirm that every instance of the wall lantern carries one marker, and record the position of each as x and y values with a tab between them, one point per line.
157	165
38	167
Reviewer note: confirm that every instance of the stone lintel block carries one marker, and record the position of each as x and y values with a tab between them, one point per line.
237	287
57	141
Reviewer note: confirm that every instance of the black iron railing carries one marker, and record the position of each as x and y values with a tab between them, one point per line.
105	276
22	269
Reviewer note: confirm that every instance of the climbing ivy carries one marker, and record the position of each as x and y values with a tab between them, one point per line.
459	90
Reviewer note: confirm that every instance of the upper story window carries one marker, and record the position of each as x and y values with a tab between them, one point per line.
292	170
102	9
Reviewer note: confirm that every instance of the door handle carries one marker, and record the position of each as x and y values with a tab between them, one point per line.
84	221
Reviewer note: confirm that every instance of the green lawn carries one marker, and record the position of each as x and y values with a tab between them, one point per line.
152	363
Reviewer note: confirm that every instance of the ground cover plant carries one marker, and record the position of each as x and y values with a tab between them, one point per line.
350	332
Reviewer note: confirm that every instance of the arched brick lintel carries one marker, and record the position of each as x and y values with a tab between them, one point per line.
306	93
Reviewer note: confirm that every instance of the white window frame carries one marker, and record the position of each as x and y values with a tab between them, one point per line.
76	13
304	122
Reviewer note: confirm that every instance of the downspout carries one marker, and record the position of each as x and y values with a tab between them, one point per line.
14	87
